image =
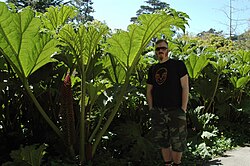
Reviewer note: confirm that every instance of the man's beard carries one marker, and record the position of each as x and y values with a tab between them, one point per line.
161	56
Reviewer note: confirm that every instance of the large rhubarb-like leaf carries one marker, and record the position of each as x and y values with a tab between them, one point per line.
21	42
82	41
126	45
239	82
243	56
219	65
58	16
195	64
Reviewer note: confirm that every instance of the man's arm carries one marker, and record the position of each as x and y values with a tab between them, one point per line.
185	91
149	96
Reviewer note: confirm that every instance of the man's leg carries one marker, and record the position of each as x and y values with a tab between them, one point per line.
166	154
176	157
169	155
178	135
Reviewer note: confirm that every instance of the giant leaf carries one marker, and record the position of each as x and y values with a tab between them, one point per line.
195	64
126	45
95	32
94	90
243	56
219	65
58	16
82	41
72	39
242	81
244	69
32	155
21	42
239	82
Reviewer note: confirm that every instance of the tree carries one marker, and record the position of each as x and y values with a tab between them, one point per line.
243	41
153	6
85	9
234	23
39	6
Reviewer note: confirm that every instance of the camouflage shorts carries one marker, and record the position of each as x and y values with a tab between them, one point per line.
169	128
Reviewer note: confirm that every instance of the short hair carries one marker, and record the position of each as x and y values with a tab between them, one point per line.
161	40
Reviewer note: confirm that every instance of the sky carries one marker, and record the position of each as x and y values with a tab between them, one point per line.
204	14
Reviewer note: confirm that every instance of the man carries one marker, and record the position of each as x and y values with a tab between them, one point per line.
167	97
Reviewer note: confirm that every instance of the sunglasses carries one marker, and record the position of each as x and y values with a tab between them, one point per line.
161	48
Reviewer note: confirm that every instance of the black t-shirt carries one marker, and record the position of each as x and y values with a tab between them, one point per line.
165	78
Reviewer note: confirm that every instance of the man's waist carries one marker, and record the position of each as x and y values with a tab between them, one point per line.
167	108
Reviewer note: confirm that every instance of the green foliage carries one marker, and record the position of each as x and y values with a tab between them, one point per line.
127	48
243	41
216	41
108	72
129	140
239	83
39	6
208	142
82	41
21	43
132	142
28	155
195	64
219	65
25	48
114	71
84	10
243	56
56	17
241	66
138	37
152	6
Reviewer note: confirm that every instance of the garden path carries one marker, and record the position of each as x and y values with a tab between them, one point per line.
238	157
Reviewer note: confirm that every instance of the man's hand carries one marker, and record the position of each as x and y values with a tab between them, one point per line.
184	109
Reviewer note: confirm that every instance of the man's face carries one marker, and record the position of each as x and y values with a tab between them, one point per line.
161	51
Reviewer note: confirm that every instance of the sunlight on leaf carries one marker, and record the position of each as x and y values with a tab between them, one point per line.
242	81
94	90
195	64
82	41
219	65
243	56
207	134
126	45
57	16
22	44
244	69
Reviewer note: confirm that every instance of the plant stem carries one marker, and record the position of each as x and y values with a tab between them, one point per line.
43	113
111	117
117	104
214	93
82	118
97	126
